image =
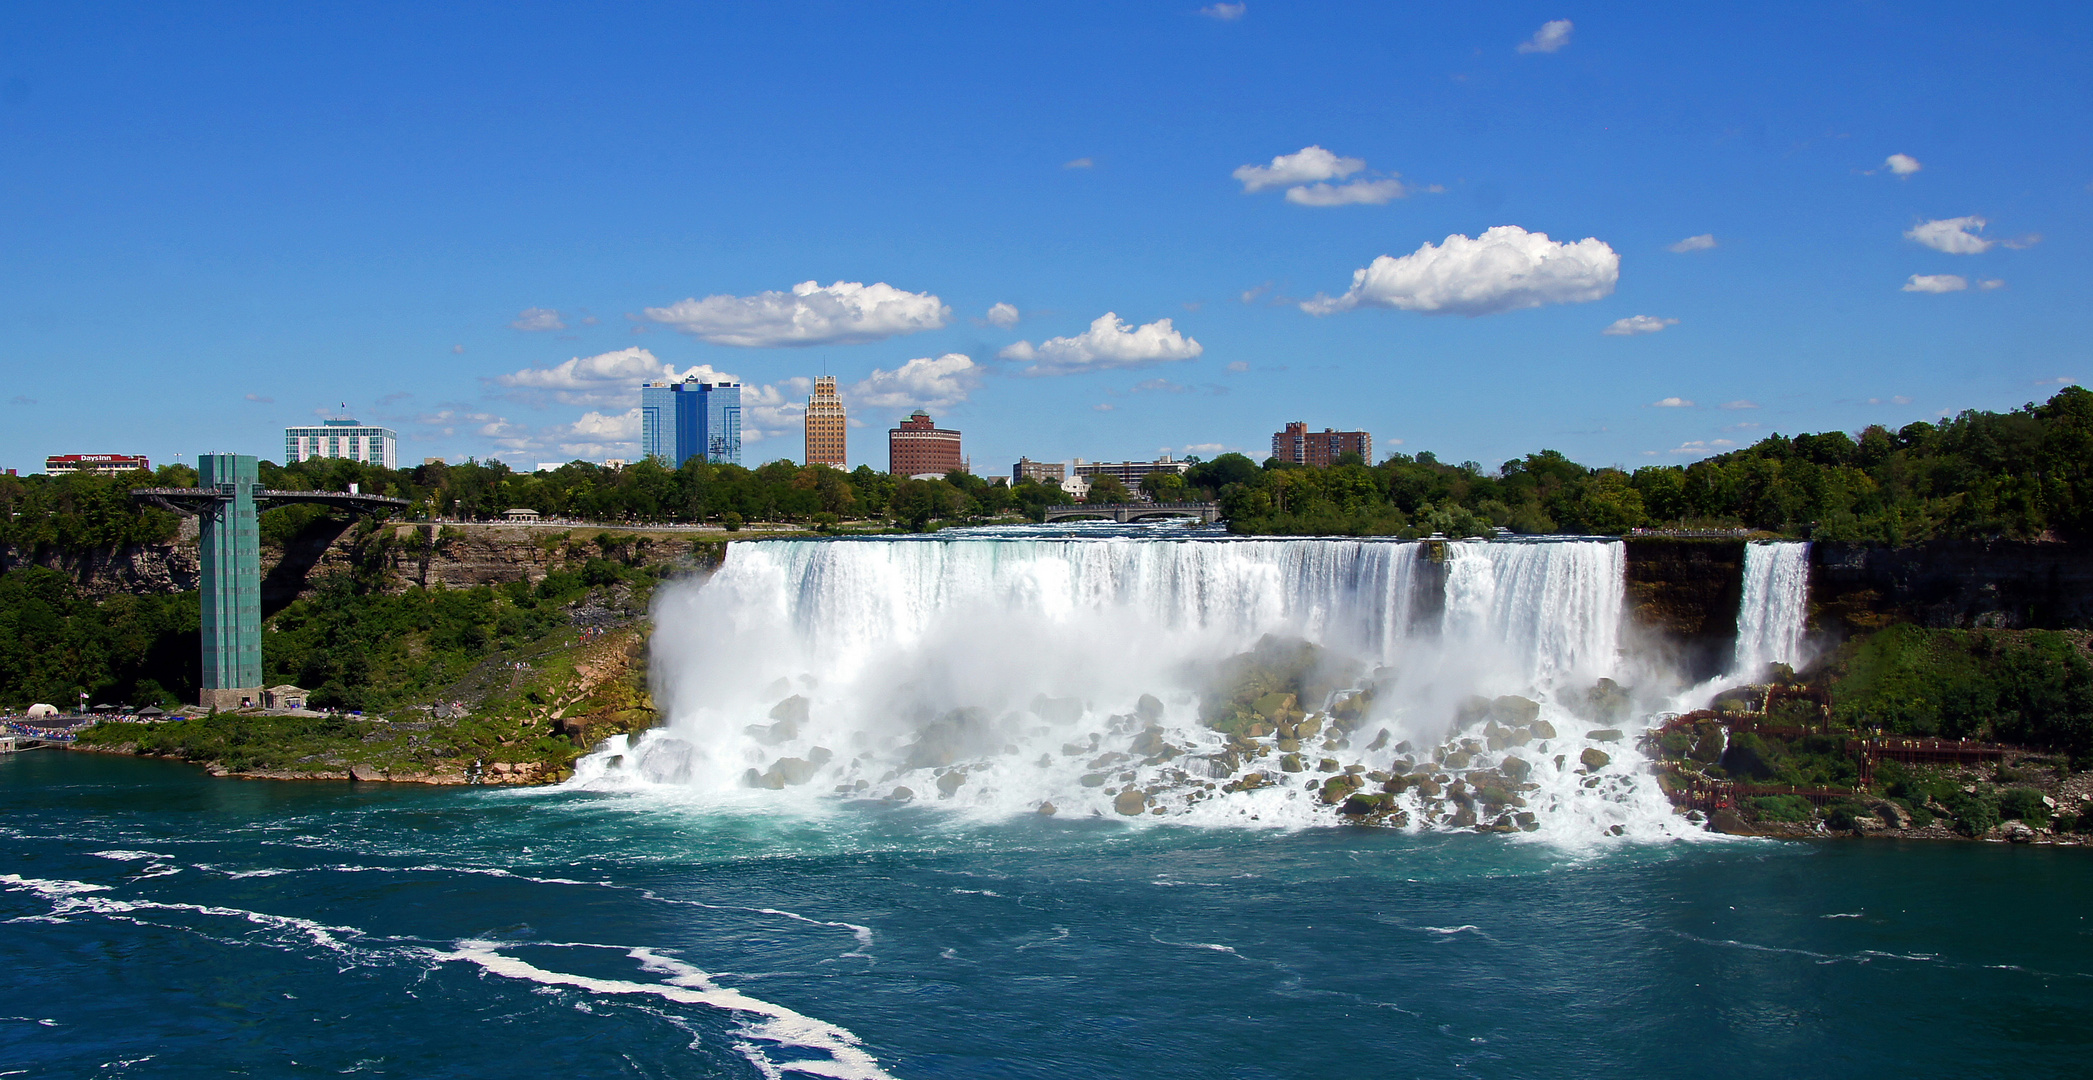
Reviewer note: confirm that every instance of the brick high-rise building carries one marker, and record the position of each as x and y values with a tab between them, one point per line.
825	424
917	447
1299	446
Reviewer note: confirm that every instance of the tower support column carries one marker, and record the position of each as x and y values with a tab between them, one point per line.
229	541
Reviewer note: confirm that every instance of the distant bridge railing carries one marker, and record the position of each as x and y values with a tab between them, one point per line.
1125	512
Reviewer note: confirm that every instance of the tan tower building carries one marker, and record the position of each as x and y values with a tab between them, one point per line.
825	424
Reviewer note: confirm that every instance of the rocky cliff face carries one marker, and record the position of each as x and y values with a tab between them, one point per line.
1683	596
456	556
1856	587
171	567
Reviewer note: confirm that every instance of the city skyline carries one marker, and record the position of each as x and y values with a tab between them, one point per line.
1638	237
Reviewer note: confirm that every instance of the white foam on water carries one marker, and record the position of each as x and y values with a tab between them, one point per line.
1020	663
763	1021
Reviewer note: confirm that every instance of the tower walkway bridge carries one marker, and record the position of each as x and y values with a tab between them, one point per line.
1124	512
201	500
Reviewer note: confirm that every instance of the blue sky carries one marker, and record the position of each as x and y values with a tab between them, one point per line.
220	221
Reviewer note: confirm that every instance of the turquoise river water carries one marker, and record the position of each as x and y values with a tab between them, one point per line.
158	922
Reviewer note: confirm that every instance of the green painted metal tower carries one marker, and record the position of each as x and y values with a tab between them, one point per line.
226	502
229	538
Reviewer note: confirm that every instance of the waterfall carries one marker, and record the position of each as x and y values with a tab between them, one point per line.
1774	608
1008	675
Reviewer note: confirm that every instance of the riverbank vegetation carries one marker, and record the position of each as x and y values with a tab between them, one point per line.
2016	707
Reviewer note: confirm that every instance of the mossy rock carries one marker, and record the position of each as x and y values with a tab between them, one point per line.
1365	804
1290	763
1594	759
1514	710
1130	802
1339	787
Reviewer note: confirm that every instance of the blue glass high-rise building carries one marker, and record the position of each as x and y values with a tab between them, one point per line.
691	419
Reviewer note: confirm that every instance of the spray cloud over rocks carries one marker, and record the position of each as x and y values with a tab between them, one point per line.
1427	685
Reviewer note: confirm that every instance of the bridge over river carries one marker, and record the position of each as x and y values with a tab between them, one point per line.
1125	512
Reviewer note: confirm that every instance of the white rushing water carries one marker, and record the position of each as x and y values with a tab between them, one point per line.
1774	610
995	675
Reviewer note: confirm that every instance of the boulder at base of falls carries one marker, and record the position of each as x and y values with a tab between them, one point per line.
1130	802
1096	779
1150	743
754	779
1380	741
1604	735
950	782
901	794
1340	787
1290	763
1364	804
1046	809
1514	711
1149	709
1516	769
1594	759
1542	729
1606	703
793	709
792	770
1249	782
1526	821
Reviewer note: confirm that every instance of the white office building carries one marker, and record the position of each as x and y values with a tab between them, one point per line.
343	438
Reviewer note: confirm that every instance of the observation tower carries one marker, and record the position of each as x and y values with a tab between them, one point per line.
226	501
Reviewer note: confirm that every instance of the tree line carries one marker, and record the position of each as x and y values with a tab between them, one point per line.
2024	474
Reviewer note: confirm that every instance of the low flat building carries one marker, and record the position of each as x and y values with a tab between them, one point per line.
1299	446
97	464
1131	472
1039	472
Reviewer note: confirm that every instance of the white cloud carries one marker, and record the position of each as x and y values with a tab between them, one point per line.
1003	315
260	400
1638	324
1205	448
1902	164
611	378
1360	192
1694	243
1551	37
1103	406
1504	269
1251	296
932	383
1989	284
2061	380
1109	343
1956	236
1897	400
1224	12
1672	403
846	312
1304	175
537	320
1079	163
1237	367
1738	404
1310	164
1711	446
1935	283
